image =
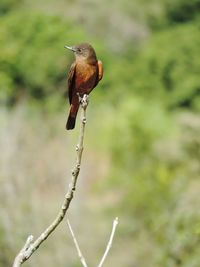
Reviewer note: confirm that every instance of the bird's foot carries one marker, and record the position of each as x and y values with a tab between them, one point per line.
80	98
83	100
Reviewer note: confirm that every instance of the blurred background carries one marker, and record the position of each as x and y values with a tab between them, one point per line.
141	160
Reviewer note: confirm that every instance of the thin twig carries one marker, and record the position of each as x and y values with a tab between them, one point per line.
82	259
30	247
115	222
109	245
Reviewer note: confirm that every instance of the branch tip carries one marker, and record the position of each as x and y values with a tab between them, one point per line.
82	259
115	222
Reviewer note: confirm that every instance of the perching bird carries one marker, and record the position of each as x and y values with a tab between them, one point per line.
84	75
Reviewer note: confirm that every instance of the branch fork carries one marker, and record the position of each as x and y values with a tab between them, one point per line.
108	247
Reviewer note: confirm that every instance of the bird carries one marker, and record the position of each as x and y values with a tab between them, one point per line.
84	75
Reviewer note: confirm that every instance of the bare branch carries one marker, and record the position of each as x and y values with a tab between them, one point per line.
19	258
82	259
115	222
30	247
109	245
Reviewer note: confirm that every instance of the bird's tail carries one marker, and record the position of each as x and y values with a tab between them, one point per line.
71	121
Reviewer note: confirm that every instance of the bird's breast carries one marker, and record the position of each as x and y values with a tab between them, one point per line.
86	76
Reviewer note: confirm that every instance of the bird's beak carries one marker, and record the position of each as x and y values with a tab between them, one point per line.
72	48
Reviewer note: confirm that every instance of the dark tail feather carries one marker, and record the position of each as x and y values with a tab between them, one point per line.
70	122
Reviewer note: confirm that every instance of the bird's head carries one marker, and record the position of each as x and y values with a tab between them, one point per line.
83	51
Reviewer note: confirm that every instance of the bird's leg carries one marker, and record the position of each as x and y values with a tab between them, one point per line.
79	97
83	100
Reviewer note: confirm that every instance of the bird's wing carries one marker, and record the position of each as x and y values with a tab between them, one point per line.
100	67
100	72
70	80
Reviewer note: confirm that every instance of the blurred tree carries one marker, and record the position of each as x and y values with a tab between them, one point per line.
167	69
32	55
7	5
180	11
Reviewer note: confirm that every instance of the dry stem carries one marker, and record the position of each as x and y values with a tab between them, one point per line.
108	247
82	259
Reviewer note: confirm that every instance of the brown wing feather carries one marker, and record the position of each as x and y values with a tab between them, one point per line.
70	80
100	67
100	72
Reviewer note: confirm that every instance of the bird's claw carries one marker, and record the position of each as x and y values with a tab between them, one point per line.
83	100
79	97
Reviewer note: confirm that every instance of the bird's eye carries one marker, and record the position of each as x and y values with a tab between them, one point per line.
79	50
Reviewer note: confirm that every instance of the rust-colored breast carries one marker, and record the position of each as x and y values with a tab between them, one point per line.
86	76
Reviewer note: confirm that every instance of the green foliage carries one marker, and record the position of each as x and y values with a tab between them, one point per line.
32	55
153	169
180	11
168	67
155	145
158	14
7	5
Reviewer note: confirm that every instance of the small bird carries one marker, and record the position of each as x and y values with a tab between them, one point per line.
84	75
